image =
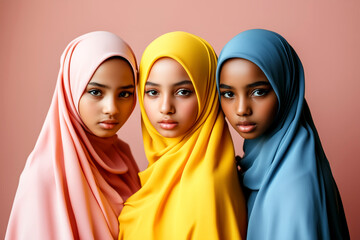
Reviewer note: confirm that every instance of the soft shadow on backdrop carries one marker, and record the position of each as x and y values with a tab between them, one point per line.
324	33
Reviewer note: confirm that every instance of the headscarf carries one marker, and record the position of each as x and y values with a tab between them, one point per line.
74	183
190	188
291	191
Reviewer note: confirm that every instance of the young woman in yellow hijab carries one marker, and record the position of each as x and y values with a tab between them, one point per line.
190	189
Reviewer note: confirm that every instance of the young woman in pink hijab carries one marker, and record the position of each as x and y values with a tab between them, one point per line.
80	173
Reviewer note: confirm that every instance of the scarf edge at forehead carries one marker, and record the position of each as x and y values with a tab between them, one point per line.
170	45
291	154
181	187
66	164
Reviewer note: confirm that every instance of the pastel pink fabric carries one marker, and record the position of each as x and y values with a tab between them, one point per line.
74	184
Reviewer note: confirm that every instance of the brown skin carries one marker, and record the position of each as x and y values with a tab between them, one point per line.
247	98
108	100
170	100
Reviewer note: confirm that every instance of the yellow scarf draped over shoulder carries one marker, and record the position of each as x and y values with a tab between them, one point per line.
190	189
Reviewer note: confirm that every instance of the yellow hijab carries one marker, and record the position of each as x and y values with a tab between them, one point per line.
190	189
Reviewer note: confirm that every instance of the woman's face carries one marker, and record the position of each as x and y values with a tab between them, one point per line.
169	98
247	98
108	100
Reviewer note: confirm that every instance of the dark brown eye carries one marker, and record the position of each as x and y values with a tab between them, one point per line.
151	93
95	92
184	92
227	94
260	92
125	94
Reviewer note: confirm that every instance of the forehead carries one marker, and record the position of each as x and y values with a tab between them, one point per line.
241	70
167	71
114	70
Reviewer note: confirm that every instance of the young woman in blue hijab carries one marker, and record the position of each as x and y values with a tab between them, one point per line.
291	193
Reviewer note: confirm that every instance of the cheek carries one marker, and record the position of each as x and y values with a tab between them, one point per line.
84	108
126	108
227	109
189	108
88	112
150	108
270	110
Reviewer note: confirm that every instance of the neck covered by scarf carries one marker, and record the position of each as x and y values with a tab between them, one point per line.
291	191
190	188
74	183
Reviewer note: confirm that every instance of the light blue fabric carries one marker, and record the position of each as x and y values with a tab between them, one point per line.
290	189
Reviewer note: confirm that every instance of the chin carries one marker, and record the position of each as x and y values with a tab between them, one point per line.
168	134
248	136
106	134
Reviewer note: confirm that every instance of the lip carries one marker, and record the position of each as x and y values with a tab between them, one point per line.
168	124
246	127
108	124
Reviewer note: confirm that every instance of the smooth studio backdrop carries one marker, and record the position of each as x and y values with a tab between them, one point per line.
325	34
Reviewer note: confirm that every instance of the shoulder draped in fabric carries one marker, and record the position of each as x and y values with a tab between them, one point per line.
74	184
190	189
291	193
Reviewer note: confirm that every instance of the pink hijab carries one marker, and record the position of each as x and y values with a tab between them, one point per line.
74	184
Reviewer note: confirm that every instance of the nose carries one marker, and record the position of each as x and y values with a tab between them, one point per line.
243	107
166	105
111	106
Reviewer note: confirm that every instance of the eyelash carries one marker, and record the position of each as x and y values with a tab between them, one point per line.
151	93
180	92
224	94
128	94
262	91
259	92
95	92
98	93
186	92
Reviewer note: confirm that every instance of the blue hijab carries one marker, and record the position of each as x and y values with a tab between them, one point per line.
291	193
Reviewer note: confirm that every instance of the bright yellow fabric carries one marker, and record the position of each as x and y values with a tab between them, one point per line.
190	189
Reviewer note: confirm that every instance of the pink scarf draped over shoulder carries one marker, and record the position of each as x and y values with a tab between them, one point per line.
74	184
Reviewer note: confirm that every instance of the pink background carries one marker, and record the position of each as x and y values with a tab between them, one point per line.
324	33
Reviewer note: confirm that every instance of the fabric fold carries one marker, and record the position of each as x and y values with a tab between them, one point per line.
190	188
291	193
74	183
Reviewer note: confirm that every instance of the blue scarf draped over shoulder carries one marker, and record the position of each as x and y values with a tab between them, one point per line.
291	193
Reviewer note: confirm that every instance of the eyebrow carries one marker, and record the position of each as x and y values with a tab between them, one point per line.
185	82
259	83
255	84
151	84
107	87
225	86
